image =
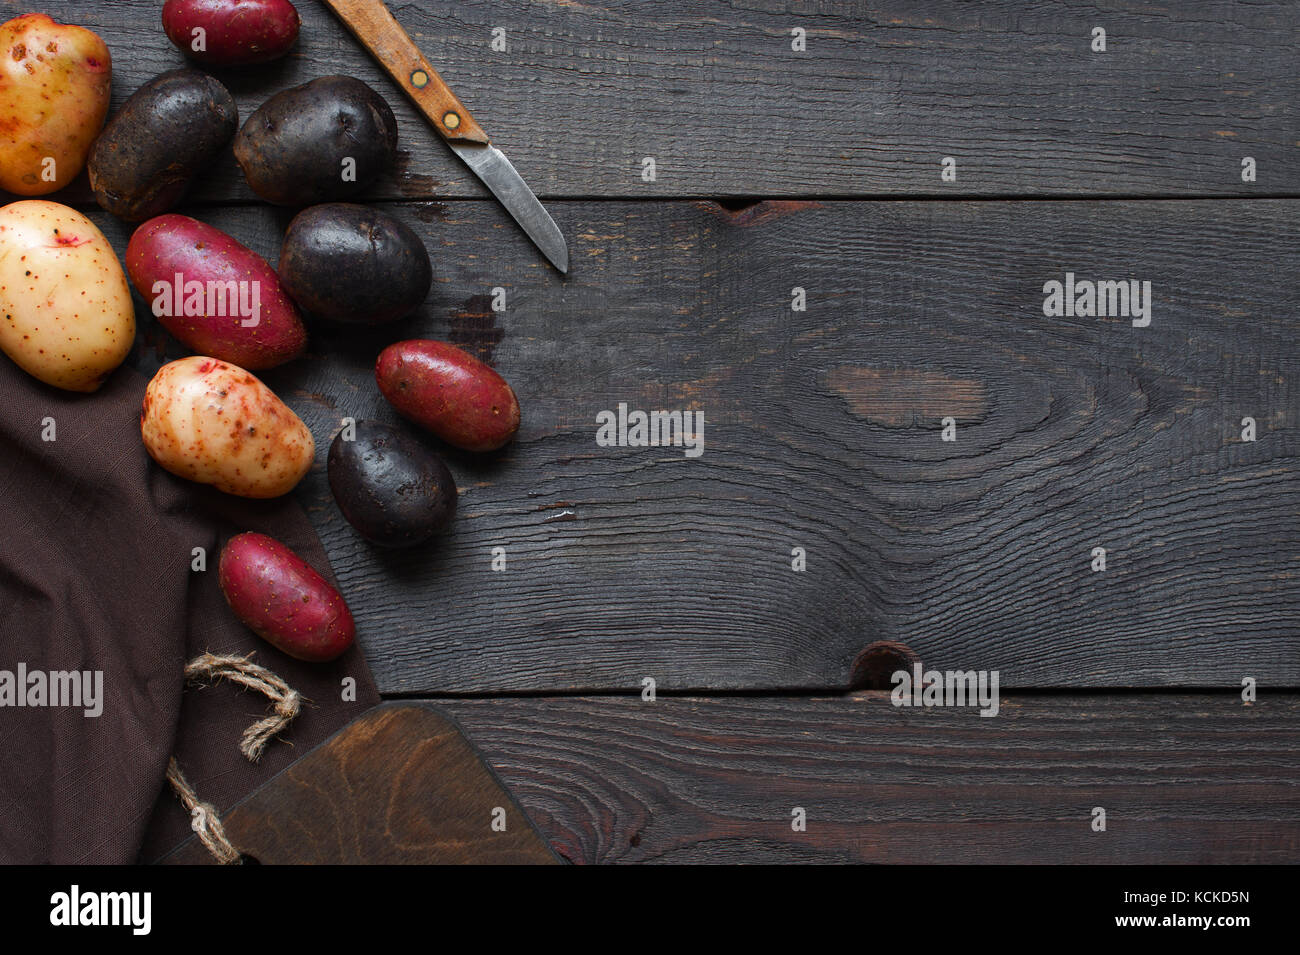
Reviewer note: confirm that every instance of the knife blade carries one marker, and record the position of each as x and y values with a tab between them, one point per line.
375	28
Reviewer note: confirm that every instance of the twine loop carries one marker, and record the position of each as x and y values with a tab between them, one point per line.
286	704
242	670
203	817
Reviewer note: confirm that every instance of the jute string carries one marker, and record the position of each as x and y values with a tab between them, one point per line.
203	817
242	670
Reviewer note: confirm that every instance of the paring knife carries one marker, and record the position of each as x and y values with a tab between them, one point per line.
380	33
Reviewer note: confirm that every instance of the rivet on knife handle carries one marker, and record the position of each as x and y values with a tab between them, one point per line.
380	33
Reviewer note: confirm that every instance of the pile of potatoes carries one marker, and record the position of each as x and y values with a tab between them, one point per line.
69	317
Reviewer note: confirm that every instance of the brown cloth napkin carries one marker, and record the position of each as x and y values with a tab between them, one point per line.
96	548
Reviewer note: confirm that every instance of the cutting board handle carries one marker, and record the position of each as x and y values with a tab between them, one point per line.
378	31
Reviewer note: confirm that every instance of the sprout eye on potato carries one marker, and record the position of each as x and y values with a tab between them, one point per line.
212	422
55	82
66	315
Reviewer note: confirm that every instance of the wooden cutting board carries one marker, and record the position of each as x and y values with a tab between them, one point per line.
399	785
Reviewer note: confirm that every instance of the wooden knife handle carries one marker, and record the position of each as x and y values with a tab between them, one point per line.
380	33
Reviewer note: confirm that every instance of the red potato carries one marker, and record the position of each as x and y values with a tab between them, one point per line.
216	296
231	32
449	392
278	596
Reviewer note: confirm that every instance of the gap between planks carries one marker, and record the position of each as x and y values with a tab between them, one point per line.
829	693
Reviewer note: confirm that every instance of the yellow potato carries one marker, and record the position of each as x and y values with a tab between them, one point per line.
66	315
55	81
212	422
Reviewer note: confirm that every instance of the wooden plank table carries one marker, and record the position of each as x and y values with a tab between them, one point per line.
820	170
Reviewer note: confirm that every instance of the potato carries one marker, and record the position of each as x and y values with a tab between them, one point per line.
277	595
233	32
325	140
449	392
350	263
215	295
389	486
163	136
55	81
67	316
211	422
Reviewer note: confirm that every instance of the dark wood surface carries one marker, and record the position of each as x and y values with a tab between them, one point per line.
883	93
399	785
823	432
1182	778
822	427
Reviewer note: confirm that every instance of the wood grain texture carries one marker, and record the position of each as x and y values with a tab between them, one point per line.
717	96
1183	779
399	785
823	432
376	29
